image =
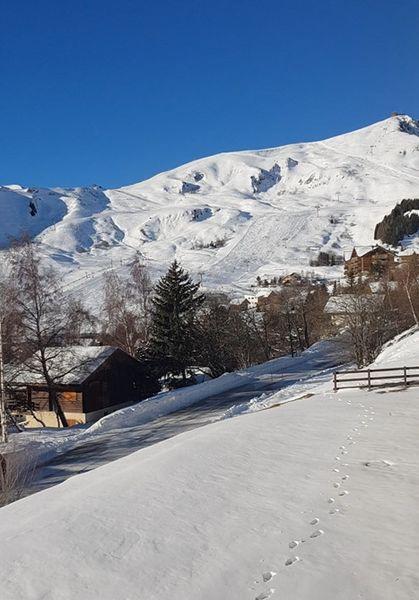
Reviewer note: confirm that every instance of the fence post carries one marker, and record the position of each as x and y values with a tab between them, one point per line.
369	379
335	382
405	376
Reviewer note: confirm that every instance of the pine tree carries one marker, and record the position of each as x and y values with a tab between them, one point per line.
175	305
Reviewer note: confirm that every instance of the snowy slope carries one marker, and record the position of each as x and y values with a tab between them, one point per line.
315	500
231	216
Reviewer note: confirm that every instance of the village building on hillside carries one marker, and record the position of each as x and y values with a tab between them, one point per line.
270	300
91	381
239	304
409	258
375	262
291	279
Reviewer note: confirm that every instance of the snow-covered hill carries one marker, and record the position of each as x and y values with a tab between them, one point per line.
231	216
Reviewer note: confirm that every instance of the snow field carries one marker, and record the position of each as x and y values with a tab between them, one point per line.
315	499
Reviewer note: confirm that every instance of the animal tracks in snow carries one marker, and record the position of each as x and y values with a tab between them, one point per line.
317	533
265	595
290	561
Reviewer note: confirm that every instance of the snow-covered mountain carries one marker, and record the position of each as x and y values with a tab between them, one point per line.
229	217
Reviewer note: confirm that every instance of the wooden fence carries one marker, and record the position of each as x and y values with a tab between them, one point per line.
371	378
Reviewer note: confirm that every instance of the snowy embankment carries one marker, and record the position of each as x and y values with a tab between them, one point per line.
315	500
44	444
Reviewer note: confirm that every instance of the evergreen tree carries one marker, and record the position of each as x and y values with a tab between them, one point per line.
175	305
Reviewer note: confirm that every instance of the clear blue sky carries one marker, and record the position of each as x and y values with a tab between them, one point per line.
113	92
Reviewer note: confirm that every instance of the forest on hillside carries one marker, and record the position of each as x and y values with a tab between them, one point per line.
401	222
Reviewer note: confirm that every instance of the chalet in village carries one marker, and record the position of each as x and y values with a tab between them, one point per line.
377	261
91	381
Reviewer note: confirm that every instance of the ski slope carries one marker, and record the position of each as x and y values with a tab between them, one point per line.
315	499
228	217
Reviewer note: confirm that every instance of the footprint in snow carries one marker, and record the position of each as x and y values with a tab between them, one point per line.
336	485
315	521
317	533
343	493
267	576
290	561
336	470
345	477
265	595
333	511
293	544
331	500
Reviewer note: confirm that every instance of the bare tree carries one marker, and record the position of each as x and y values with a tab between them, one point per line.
45	318
407	278
369	323
126	308
17	469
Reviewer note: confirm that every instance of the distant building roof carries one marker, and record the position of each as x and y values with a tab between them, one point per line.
67	366
343	303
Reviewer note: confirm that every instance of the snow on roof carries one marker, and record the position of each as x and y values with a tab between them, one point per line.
238	301
344	302
364	250
69	365
377	286
265	293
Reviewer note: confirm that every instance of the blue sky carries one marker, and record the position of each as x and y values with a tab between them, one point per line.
114	92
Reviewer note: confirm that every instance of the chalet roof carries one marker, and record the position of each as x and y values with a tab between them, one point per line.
359	251
379	286
343	303
70	365
239	301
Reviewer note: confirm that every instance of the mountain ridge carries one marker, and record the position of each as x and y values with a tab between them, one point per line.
229	217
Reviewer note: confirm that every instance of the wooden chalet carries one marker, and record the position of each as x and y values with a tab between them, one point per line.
291	279
377	261
239	305
270	300
410	260
91	381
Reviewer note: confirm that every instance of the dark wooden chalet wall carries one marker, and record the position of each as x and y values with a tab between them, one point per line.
120	379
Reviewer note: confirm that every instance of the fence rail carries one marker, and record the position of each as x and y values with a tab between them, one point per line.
367	377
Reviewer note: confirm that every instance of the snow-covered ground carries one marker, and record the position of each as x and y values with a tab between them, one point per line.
229	217
315	499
